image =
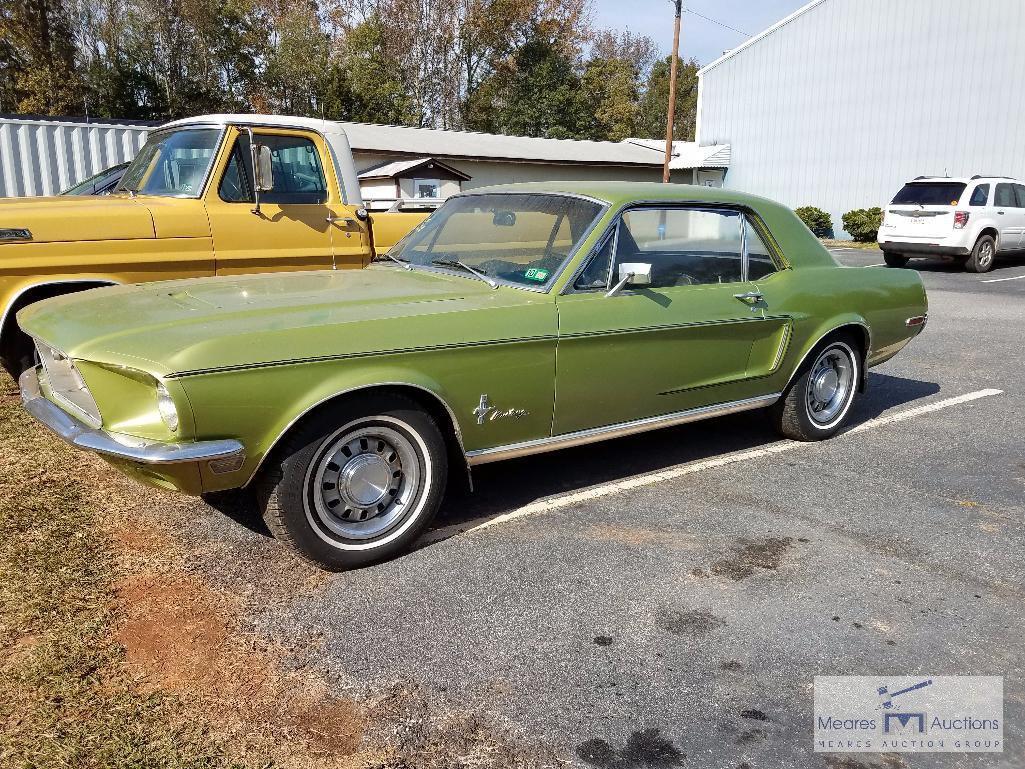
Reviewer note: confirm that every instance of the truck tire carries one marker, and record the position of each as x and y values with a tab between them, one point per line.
983	255
356	484
894	260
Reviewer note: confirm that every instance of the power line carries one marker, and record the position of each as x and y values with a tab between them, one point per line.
716	21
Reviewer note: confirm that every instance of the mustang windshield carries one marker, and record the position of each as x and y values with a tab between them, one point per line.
522	239
172	163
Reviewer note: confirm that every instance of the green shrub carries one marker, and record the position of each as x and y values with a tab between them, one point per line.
818	221
863	223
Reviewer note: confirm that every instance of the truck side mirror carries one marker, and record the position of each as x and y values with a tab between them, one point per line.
263	168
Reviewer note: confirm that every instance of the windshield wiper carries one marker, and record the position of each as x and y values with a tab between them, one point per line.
456	263
387	255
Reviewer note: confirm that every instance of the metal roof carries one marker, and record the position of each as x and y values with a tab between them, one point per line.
393	169
431	142
690	154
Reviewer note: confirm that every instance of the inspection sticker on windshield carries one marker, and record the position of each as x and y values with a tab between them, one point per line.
909	714
536	273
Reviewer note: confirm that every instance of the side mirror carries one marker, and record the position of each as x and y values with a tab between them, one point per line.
631	274
263	168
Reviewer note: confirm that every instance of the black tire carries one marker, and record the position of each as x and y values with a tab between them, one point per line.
792	414
894	260
309	492
983	255
20	354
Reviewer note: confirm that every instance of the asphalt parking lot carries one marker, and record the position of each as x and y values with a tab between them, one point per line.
666	599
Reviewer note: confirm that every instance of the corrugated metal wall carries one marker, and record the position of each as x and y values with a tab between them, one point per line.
40	157
850	99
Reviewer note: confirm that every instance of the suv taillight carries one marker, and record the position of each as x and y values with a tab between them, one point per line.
960	219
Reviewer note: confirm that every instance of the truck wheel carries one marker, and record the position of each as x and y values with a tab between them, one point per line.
894	260
983	255
357	484
819	398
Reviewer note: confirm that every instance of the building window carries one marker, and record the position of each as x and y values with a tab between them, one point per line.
426	188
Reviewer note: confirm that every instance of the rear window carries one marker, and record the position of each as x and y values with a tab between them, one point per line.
980	196
930	194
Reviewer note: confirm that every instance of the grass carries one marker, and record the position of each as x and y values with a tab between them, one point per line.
66	697
829	243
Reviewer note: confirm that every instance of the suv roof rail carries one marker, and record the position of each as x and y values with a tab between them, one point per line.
991	176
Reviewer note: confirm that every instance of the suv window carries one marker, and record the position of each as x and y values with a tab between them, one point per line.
1019	191
1005	196
684	246
298	174
980	195
929	194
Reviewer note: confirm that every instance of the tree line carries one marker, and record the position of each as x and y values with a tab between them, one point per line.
523	67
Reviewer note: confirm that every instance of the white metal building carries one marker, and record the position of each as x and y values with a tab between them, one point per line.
843	101
42	157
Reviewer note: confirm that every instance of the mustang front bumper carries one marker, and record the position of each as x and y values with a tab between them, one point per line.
116	446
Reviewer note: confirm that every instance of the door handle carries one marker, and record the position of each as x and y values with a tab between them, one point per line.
749	297
348	221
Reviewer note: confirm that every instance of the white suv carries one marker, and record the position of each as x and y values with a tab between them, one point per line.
971	220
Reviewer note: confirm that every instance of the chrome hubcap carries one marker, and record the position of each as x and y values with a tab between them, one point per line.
364	481
831	385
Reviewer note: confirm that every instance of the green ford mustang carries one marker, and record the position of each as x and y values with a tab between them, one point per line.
514	320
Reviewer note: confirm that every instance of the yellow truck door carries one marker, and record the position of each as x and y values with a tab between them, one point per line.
302	223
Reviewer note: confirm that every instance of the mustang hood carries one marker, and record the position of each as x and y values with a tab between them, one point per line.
188	325
64	219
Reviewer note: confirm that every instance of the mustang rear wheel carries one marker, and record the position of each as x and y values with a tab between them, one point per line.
357	483
818	399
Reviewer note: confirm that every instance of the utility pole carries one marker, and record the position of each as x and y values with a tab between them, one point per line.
670	119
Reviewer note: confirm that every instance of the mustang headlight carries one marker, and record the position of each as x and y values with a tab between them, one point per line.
165	405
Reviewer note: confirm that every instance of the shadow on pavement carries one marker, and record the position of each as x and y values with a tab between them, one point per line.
505	486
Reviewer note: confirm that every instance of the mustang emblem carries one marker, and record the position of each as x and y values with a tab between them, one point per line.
486	412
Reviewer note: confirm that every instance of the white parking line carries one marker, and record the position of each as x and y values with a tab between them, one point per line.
1001	280
881	264
565	500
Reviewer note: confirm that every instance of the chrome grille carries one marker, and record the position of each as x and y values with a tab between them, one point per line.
67	386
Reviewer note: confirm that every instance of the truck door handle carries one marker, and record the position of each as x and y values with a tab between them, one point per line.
346	220
750	297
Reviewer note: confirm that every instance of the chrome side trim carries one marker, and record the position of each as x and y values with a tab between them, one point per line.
15	234
117	446
595	434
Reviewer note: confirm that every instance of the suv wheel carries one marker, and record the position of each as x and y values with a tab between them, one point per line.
357	484
983	255
894	260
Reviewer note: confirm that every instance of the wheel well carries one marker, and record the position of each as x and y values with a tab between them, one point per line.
861	337
991	231
11	337
425	399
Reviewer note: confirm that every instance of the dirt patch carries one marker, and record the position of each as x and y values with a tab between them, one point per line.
177	637
748	556
637	536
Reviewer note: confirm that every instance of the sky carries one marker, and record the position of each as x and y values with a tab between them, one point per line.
699	39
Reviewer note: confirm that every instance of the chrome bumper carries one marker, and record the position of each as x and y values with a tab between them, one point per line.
114	445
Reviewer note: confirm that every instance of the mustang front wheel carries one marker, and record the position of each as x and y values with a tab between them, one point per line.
357	483
817	401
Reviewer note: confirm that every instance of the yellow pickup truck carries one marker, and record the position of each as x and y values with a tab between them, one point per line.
210	195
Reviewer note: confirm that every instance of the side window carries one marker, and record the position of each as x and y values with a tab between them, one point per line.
980	195
1005	196
685	246
1019	191
596	273
759	257
298	173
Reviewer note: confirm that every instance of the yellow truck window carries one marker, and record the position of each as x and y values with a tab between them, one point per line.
298	172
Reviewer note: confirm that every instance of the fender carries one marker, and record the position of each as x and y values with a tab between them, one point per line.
97	282
830	327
